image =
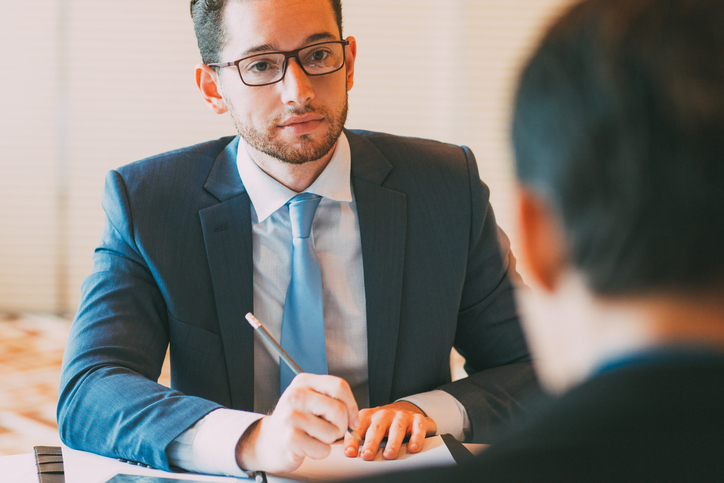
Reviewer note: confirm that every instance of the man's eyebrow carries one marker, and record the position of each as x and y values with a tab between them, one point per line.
318	37
259	49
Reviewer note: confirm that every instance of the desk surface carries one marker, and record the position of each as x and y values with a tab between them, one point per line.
18	469
82	467
21	468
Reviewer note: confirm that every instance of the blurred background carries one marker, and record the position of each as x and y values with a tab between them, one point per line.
90	85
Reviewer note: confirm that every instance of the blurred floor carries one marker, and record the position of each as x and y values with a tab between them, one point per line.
31	351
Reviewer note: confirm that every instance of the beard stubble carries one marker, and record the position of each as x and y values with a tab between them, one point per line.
306	149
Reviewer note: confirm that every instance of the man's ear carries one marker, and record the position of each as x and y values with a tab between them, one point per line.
207	81
350	56
543	246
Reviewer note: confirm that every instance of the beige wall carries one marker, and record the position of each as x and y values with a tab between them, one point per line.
89	85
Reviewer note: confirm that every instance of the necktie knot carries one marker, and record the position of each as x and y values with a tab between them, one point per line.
301	213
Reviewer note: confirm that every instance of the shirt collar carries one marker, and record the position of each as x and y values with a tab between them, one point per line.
268	195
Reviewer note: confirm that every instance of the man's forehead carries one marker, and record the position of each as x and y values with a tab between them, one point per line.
275	46
265	25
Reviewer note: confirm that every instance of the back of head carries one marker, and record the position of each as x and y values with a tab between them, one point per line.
619	125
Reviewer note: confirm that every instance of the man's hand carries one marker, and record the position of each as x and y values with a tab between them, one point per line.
395	421
313	412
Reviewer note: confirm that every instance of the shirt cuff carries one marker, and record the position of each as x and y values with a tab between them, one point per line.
447	412
209	446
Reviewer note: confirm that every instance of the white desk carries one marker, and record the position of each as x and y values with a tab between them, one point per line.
82	467
18	469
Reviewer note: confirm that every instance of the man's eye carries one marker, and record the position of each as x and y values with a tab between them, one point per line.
318	55
259	66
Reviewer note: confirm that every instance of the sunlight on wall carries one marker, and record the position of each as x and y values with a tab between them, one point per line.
90	86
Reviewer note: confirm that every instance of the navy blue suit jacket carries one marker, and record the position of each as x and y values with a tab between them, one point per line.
174	266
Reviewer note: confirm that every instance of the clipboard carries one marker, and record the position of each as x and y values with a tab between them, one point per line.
457	450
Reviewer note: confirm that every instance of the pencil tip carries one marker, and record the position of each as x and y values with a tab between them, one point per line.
253	321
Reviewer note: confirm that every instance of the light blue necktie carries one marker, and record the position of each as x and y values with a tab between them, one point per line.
303	319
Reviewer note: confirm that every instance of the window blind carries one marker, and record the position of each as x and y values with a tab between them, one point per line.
92	85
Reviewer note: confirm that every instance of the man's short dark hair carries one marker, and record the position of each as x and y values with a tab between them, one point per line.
208	17
619	124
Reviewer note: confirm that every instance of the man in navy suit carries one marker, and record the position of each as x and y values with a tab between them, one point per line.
412	263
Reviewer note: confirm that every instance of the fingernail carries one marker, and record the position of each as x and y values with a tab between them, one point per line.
412	447
389	454
367	454
350	451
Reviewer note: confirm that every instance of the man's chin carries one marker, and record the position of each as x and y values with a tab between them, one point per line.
299	155
297	150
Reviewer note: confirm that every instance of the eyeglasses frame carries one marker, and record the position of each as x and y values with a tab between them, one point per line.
287	55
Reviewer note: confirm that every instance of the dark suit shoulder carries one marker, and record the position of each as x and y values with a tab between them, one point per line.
166	188
401	148
652	422
382	139
178	159
407	162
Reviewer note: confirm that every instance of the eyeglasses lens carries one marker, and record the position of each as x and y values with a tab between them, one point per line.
317	59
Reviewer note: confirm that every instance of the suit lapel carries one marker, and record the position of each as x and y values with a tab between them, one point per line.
383	220
227	236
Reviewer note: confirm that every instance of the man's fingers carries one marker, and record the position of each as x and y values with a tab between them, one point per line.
351	446
395	421
418	433
335	388
317	427
377	430
313	412
321	416
396	434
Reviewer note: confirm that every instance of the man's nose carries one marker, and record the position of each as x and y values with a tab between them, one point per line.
296	85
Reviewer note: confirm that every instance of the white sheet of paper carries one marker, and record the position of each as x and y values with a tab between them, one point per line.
83	467
338	466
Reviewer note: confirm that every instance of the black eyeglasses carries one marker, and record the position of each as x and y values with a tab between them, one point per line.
269	68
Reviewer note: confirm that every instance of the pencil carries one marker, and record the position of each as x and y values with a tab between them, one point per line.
254	322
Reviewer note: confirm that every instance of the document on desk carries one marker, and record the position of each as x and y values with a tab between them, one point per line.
338	466
82	467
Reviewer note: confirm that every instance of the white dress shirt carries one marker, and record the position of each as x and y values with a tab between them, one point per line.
209	445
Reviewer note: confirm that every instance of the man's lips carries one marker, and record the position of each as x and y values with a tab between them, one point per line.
301	119
302	124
